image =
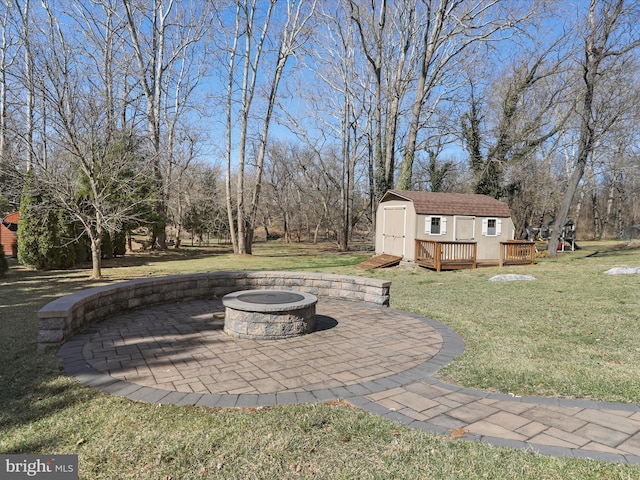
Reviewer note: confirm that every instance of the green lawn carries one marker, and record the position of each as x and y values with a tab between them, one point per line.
572	333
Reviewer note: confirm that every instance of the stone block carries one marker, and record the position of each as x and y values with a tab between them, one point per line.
50	336
377	299
55	323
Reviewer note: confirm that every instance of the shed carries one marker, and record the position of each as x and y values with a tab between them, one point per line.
405	219
9	234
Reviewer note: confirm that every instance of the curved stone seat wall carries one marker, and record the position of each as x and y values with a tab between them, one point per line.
65	316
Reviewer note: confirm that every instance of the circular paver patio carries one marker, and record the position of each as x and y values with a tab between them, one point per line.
377	358
182	347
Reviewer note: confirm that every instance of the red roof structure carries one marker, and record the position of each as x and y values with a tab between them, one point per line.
13	218
9	234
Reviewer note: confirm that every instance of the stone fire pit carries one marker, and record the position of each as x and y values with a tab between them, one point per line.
269	314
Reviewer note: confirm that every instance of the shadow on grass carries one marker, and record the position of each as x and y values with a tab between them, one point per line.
144	257
30	400
32	445
31	385
619	250
23	287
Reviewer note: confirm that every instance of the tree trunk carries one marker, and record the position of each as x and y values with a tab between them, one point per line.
3	88
596	214
610	198
345	184
284	52
30	82
587	129
563	213
285	227
316	231
229	139
383	172
178	235
96	255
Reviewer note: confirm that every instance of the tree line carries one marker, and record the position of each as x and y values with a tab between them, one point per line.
240	118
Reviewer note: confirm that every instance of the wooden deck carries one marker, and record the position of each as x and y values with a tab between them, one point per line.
446	255
457	255
516	252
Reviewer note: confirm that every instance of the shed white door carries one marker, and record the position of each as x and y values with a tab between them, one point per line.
394	230
465	229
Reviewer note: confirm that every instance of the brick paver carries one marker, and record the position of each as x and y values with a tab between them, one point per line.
379	359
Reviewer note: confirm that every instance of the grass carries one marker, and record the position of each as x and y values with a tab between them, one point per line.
571	333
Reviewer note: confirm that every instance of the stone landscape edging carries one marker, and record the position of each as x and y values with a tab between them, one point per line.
60	319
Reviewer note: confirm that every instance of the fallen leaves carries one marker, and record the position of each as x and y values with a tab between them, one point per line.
459	432
257	409
340	404
297	468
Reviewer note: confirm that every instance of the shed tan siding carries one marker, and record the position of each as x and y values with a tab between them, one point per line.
463	215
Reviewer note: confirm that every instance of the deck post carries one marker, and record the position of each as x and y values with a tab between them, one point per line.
475	255
532	253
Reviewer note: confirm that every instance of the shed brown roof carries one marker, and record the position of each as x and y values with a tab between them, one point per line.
442	203
12	218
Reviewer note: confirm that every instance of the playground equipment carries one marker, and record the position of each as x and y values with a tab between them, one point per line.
566	241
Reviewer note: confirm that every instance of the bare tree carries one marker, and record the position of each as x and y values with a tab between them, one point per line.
518	121
602	201
14	144
331	122
415	52
197	206
387	33
24	13
281	188
611	35
186	177
163	36
449	28
7	43
615	169
303	190
96	172
250	59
